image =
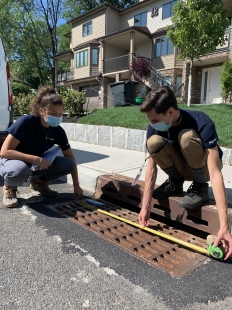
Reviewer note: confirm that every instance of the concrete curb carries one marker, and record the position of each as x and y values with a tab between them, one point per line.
118	137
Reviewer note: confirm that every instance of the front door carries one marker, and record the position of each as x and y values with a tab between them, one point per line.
210	90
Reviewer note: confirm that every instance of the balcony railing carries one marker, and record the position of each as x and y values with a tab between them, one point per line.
61	77
116	64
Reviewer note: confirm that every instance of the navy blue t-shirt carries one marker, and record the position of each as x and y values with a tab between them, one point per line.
196	120
32	136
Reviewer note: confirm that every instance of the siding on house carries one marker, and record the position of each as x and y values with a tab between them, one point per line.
113	21
144	49
179	63
112	51
84	71
165	62
98	28
153	23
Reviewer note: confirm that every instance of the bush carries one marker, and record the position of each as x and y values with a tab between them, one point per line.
73	101
19	88
226	79
21	102
140	68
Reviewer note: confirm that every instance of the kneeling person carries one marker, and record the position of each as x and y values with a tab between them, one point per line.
184	145
29	137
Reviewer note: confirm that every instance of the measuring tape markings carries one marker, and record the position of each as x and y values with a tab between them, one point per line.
160	234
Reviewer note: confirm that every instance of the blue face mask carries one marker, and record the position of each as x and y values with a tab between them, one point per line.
53	121
161	126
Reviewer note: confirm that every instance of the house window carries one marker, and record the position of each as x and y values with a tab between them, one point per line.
163	47
94	56
87	29
140	19
90	91
82	59
178	86
167	9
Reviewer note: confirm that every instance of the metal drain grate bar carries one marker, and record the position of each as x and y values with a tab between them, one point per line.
169	256
119	187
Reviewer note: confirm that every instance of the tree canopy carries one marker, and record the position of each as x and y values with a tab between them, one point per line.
32	34
74	8
198	28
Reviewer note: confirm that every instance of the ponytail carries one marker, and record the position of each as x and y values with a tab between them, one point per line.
46	95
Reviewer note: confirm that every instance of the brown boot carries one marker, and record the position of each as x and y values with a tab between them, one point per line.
9	197
42	187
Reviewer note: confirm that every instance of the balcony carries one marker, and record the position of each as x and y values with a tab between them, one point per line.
64	76
116	64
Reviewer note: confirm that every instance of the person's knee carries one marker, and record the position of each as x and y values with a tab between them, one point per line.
17	174
154	143
185	138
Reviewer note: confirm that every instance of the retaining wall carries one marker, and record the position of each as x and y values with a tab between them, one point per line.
118	137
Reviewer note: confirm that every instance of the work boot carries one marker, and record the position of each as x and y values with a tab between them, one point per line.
42	187
197	194
9	197
170	187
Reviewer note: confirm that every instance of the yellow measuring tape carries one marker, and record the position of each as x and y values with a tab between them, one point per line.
160	234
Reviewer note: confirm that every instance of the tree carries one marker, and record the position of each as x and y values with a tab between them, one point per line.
30	34
226	79
74	8
199	27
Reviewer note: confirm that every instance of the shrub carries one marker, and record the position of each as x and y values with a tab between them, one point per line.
73	101
21	102
226	79
19	88
140	68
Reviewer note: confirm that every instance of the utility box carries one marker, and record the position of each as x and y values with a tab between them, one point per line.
124	92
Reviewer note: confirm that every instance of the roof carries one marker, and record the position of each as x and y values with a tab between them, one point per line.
94	41
104	5
161	30
107	5
143	30
64	52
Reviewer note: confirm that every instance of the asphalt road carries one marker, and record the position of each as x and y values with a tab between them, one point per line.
48	262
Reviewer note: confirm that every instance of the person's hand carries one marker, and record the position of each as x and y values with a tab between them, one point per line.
44	163
144	216
225	237
78	191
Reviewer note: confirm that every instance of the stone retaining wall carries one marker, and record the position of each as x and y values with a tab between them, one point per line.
118	137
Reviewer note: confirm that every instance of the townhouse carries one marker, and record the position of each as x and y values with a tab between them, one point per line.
104	40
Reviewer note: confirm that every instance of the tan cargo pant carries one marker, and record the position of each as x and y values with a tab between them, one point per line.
192	153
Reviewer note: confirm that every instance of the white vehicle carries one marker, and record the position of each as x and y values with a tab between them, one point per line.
6	97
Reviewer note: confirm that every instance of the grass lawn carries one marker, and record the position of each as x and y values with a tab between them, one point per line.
131	117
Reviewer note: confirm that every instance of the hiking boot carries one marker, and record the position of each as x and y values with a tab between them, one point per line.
197	194
170	187
9	197
42	187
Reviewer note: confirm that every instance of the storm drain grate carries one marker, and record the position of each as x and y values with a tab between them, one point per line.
159	252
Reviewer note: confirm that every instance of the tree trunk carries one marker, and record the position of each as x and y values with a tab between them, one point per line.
190	84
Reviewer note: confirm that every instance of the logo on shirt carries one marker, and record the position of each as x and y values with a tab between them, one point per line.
211	142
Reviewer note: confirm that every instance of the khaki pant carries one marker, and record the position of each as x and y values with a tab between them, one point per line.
192	153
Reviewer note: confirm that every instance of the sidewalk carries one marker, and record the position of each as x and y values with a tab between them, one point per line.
95	160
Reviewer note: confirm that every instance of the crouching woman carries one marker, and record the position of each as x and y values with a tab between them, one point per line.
29	137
